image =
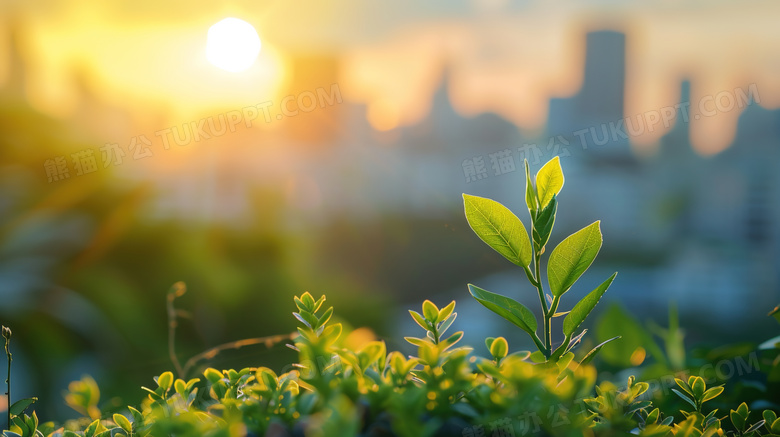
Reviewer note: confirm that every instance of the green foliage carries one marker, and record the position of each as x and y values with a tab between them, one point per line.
503	231
338	386
366	391
83	396
583	308
499	228
572	257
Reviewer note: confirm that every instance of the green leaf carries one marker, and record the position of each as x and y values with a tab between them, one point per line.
685	386
179	386
212	375
592	354
19	421
544	222
33	422
583	308
325	317
123	423
138	417
498	228
564	361
419	342
451	340
549	181
446	311
530	193
331	334
165	381
499	348
420	320
769	416
507	308
316	305
307	319
92	428
698	387
737	420
652	417
19	406
684	397
430	311
308	301
446	323
743	410
572	257
775	426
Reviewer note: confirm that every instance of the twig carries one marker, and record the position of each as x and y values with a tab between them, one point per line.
269	342
177	290
7	337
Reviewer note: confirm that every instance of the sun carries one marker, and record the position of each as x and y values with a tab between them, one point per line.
232	45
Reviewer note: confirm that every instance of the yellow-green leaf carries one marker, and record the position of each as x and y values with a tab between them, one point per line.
507	308
549	181
499	228
572	257
585	306
499	348
123	423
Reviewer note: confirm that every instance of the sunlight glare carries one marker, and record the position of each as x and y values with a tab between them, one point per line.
232	45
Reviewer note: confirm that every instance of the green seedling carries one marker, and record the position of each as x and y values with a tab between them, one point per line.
503	231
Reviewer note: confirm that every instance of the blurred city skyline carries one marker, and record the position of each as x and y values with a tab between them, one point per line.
497	57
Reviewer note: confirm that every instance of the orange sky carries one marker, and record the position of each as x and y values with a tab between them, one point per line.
499	58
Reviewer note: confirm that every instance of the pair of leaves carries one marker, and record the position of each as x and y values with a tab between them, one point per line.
549	182
504	232
500	229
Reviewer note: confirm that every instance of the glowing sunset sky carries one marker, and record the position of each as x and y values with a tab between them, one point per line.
499	56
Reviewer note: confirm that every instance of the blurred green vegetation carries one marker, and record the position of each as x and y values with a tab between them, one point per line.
85	269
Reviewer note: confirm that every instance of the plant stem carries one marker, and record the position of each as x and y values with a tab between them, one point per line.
211	353
8	383
172	323
548	318
537	342
537	266
7	336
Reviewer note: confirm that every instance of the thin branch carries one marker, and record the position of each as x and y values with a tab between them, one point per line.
177	290
268	341
7	337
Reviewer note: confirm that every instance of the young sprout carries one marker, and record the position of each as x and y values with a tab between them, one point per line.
500	229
